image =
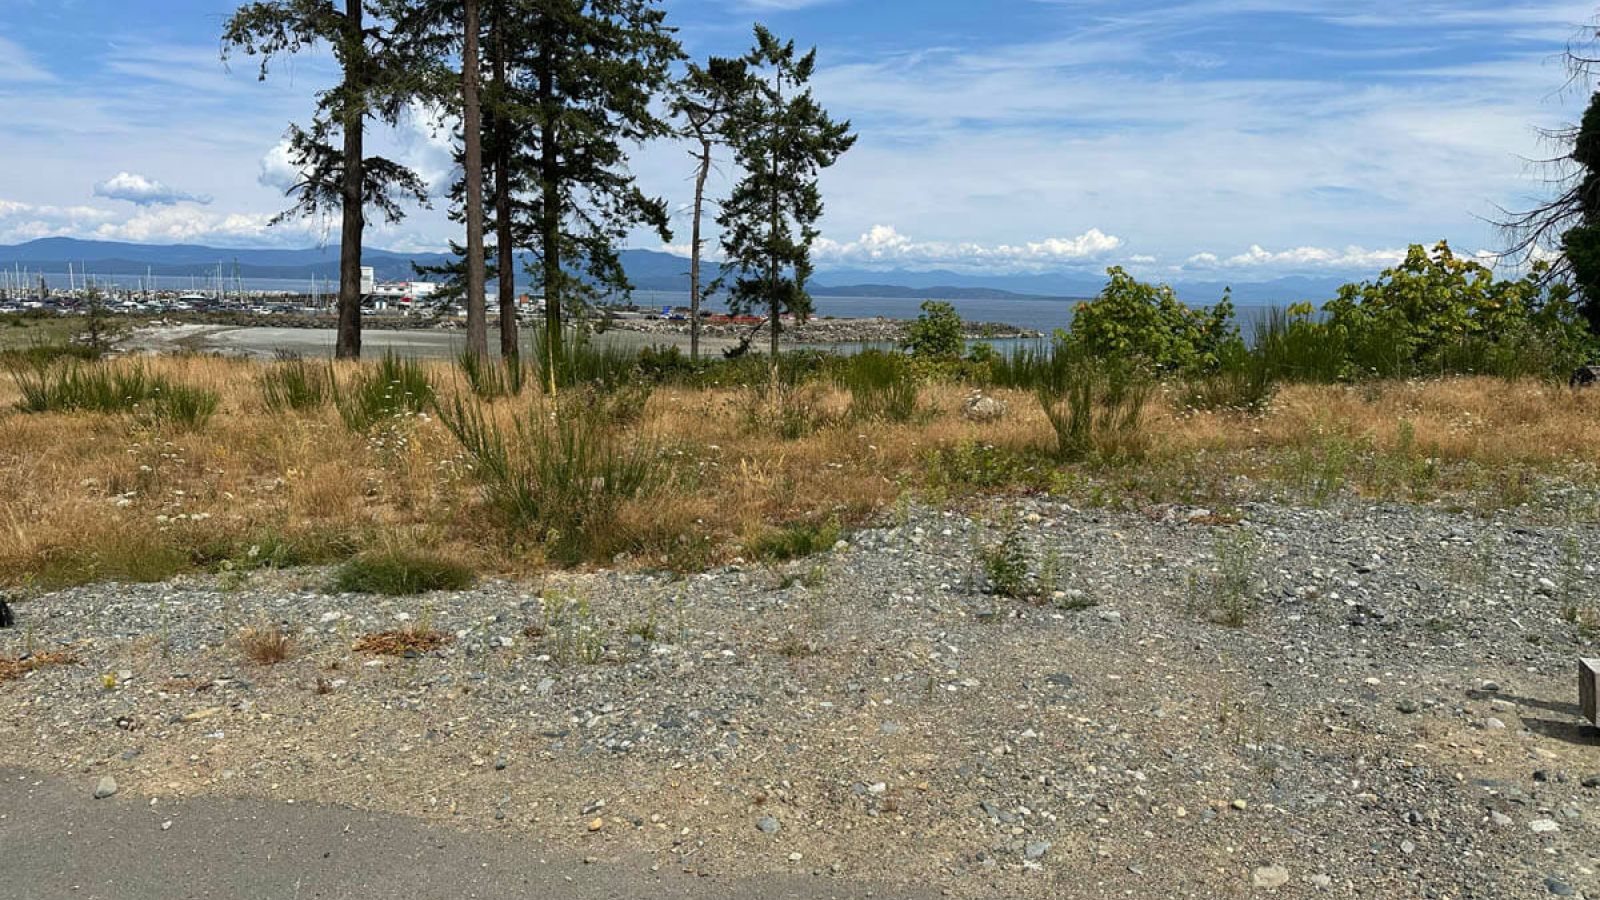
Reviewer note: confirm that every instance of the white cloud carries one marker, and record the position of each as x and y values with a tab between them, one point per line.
884	246
164	225
19	66
277	169
144	191
1298	259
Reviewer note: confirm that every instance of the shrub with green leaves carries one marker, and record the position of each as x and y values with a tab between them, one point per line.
936	333
1147	326
401	572
1436	313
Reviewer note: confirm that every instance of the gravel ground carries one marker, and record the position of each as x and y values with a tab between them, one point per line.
1394	717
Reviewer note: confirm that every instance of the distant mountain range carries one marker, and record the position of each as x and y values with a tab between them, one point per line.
649	270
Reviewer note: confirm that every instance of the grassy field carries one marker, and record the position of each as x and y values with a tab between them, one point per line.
679	476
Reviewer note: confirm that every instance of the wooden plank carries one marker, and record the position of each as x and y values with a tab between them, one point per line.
1589	689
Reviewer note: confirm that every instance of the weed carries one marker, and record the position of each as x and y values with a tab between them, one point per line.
570	630
401	572
375	393
265	645
1227	593
295	384
1006	565
795	541
561	472
1096	409
882	385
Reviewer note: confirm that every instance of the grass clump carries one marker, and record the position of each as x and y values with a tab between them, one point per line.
1096	408
265	645
295	384
1006	563
795	541
560	472
395	386
882	385
401	572
489	379
74	386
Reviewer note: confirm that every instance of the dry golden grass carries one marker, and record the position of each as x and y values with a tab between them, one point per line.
99	497
265	645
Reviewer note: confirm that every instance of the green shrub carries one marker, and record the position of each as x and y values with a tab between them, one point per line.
937	333
1141	325
294	384
560	473
1095	406
401	572
882	386
1006	565
393	387
795	541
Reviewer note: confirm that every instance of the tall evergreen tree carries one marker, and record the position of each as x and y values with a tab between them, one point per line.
781	140
376	84
704	99
472	175
1580	244
593	69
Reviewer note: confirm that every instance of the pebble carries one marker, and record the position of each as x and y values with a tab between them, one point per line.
1407	706
768	825
1036	849
1543	826
107	787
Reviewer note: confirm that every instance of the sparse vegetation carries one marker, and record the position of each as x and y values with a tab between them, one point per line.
795	541
401	572
295	384
379	392
414	639
1227	593
265	645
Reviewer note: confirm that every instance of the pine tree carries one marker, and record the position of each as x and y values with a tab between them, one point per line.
594	67
375	85
781	139
704	99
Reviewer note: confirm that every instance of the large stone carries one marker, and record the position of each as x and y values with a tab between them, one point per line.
983	408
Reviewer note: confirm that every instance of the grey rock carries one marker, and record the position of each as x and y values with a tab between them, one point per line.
1036	849
107	787
1270	877
768	825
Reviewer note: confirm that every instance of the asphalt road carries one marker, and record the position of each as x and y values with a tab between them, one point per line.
56	841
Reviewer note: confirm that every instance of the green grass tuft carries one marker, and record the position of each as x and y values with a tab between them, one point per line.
401	572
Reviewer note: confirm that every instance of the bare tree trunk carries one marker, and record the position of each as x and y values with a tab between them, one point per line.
472	131
694	252
550	212
506	267
348	343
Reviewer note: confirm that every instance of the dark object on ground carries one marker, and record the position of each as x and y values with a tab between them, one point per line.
1584	376
7	619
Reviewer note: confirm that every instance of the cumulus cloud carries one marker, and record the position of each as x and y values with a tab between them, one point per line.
1298	259
164	225
144	191
883	245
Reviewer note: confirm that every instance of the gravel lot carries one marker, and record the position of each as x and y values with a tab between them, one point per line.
1395	717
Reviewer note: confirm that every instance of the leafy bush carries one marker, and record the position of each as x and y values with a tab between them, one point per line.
401	572
1006	563
1144	325
1095	406
1435	313
393	387
294	384
561	472
882	386
937	333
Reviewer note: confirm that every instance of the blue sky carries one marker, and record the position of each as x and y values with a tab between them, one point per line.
1238	139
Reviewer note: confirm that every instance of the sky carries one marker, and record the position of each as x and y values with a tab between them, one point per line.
1237	139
